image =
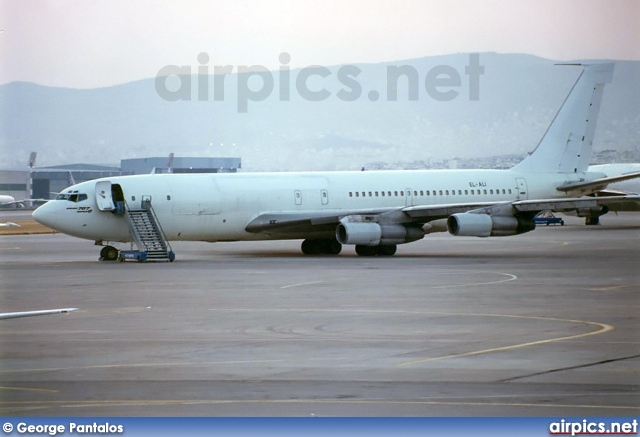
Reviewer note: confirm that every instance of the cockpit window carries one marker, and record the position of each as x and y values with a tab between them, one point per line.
72	196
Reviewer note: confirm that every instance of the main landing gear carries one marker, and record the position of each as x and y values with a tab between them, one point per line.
321	247
333	247
382	250
109	253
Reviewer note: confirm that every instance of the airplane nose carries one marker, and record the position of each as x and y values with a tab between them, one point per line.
45	216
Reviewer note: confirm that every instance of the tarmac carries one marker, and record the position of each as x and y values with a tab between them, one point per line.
542	324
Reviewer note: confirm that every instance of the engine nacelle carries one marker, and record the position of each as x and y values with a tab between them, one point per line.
594	211
374	234
483	225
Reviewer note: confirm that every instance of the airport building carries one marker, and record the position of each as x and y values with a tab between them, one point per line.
46	182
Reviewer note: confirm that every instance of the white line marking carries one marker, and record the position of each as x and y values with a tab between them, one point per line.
300	284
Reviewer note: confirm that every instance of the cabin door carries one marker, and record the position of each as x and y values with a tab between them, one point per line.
104	198
522	189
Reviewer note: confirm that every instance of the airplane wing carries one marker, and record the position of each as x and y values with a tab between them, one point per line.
23	201
35	313
612	203
291	223
300	225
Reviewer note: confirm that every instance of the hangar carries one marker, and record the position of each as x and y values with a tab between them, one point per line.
46	182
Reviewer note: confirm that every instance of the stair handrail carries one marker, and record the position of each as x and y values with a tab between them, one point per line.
133	231
147	205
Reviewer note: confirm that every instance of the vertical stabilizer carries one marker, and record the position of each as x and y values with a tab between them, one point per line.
566	145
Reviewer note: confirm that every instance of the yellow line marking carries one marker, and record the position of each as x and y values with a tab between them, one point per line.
114	366
26	405
604	328
615	287
43	390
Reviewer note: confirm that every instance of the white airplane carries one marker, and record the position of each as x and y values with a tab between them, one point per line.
373	210
6	200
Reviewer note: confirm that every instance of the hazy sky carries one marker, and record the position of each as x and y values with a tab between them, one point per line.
84	44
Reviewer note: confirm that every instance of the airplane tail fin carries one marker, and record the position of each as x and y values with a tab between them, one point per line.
567	144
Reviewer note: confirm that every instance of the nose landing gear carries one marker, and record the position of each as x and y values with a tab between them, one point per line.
109	253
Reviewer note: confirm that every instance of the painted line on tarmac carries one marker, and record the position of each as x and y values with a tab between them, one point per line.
603	328
301	284
42	390
39	405
509	279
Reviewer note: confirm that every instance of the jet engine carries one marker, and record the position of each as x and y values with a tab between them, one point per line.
374	234
484	225
594	211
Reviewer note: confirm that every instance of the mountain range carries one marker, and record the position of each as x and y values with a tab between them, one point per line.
516	99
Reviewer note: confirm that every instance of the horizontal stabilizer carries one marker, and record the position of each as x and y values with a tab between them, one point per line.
602	182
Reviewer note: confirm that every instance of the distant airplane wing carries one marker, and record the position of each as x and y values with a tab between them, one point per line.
612	203
23	201
597	183
35	313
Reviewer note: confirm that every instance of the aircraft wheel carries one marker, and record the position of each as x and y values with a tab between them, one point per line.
321	247
309	247
592	221
362	250
332	247
382	250
109	253
387	250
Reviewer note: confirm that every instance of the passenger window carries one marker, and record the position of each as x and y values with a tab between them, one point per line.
440	192
376	194
446	192
168	197
485	191
382	192
509	190
133	198
473	192
350	194
370	194
466	192
364	194
402	193
395	193
357	194
490	191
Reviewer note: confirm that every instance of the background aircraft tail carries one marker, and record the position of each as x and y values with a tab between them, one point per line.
566	145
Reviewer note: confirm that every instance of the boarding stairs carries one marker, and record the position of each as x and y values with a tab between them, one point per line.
147	234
